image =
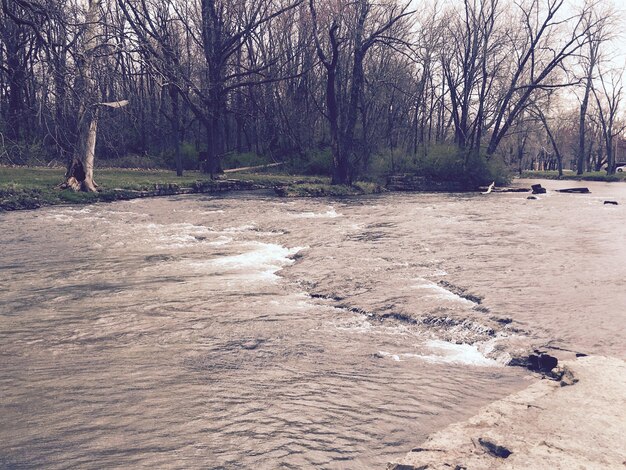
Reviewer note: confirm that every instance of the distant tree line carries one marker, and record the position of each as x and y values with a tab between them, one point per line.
376	86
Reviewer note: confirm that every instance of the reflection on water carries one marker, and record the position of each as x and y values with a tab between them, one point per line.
241	332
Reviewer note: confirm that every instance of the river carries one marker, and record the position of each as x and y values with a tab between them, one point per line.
249	331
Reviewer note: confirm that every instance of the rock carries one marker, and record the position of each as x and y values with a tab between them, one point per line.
614	203
538	189
494	449
280	191
574	190
542	362
567	377
532	197
399	466
539	362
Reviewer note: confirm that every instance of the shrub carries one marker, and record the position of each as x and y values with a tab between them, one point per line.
241	160
313	163
441	163
144	162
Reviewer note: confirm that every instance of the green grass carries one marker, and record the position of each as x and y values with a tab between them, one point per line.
42	178
32	187
568	175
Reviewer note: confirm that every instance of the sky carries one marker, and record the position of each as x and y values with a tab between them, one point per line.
616	50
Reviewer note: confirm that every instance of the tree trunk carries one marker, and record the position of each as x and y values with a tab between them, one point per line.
582	150
79	175
173	90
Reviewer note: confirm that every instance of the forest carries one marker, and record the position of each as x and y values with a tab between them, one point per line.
354	89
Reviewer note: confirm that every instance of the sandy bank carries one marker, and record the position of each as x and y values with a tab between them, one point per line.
546	426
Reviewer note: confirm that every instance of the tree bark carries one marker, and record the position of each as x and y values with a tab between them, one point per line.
79	175
173	91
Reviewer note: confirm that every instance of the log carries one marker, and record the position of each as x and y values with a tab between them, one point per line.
574	190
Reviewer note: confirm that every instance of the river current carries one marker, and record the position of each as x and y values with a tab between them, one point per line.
249	331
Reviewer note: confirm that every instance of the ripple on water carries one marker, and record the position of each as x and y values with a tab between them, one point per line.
155	339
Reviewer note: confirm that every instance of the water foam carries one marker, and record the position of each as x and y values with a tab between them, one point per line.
439	292
263	261
444	352
176	235
330	214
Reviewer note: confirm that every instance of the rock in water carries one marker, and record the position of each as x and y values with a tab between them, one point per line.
538	362
538	189
542	362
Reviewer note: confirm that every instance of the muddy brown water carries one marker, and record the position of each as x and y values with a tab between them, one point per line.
249	331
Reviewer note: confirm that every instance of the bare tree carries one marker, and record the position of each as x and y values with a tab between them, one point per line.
540	53
224	31
351	29
469	69
79	175
608	100
594	37
538	110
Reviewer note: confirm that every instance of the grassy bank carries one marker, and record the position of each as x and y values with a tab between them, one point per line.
569	175
33	187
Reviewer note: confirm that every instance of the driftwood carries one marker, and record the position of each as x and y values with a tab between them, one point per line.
574	190
258	167
510	190
490	188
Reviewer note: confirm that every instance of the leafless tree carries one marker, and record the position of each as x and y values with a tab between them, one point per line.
608	99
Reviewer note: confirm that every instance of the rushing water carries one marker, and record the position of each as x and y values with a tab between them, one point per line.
254	332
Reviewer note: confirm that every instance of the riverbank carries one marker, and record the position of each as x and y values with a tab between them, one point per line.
570	175
33	187
577	422
30	188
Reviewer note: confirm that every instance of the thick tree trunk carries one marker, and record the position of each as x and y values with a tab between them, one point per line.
79	175
214	140
173	90
339	169
581	152
16	97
